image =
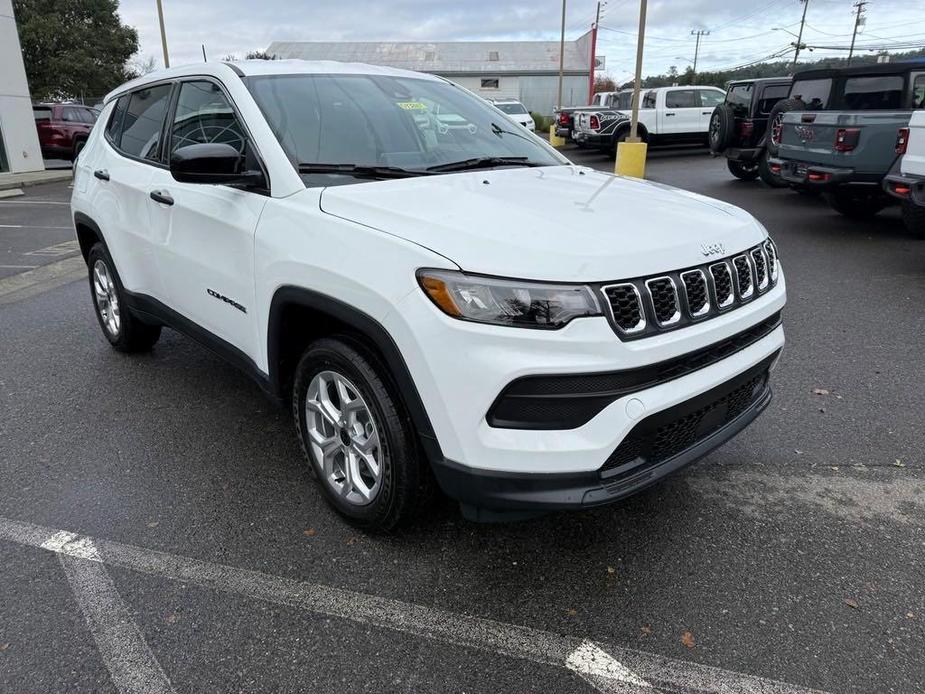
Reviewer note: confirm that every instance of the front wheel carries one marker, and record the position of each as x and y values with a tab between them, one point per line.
357	436
125	331
744	171
857	205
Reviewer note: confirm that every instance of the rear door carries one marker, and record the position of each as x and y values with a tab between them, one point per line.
204	233
681	113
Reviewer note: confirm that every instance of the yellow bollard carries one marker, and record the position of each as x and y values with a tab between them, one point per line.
554	139
631	159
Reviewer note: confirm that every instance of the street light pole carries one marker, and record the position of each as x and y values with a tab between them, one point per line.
160	19
561	56
796	53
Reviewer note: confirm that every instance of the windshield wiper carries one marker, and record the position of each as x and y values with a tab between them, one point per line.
361	170
483	163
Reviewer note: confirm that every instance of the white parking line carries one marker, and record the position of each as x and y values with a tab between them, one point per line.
27	226
33	202
614	670
131	664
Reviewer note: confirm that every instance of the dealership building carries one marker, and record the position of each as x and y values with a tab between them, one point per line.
524	70
19	143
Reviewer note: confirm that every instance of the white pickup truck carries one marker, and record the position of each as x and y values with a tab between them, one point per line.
909	183
666	115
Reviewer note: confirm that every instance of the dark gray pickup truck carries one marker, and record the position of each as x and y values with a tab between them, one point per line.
841	131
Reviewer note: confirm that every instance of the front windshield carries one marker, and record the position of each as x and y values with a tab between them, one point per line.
512	109
385	121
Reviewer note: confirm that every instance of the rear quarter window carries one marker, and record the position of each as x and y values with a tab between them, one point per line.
770	96
739	97
41	113
114	127
682	98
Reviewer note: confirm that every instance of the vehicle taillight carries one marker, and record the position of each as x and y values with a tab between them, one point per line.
595	123
902	140
846	139
563	119
746	128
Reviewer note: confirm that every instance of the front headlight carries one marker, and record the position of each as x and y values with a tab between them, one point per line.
517	303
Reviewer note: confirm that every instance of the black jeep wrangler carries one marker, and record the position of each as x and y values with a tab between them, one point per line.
739	127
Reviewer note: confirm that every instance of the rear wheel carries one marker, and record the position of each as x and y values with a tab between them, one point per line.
767	176
914	217
125	331
357	437
743	170
722	125
857	205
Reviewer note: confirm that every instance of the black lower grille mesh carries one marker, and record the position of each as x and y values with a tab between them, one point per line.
664	299
722	280
695	286
743	275
648	445
624	302
761	268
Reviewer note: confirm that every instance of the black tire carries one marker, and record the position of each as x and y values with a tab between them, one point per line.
406	486
768	177
128	333
914	218
857	205
78	148
744	171
722	128
774	124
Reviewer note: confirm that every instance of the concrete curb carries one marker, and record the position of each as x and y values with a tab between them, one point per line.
9	181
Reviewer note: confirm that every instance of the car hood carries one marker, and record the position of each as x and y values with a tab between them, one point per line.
560	223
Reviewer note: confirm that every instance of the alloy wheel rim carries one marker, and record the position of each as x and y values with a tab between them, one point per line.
343	438
776	128
107	301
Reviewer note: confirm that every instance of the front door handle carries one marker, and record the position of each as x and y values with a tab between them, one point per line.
101	174
669	114
706	113
158	196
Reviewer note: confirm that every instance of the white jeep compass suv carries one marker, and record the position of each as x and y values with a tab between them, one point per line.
452	304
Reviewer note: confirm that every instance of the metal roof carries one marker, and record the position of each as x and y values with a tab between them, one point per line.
447	57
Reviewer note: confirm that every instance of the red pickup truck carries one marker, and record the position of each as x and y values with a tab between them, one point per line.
63	128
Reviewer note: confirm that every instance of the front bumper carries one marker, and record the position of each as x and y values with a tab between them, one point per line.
906	187
719	416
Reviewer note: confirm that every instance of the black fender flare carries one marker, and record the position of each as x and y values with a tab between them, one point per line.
370	328
625	126
83	220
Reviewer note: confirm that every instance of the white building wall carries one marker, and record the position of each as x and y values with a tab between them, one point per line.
17	127
537	92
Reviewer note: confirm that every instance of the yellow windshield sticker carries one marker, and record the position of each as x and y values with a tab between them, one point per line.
411	106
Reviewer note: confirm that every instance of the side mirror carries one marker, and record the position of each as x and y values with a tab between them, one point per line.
213	162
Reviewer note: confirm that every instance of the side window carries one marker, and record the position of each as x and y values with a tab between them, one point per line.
114	127
682	98
89	115
770	96
813	93
918	92
143	121
710	98
739	97
648	101
71	115
204	115
870	93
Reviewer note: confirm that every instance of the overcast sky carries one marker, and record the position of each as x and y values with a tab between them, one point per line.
741	30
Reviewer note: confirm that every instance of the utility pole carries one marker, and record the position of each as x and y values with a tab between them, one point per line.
857	22
160	19
698	33
561	56
799	43
597	19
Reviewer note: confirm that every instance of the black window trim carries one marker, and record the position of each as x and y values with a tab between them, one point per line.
163	153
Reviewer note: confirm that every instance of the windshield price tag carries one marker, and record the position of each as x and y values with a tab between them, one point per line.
411	106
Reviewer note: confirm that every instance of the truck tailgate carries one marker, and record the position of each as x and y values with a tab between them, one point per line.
809	137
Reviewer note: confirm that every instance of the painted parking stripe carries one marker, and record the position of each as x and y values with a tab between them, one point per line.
27	226
41	279
608	668
33	202
131	664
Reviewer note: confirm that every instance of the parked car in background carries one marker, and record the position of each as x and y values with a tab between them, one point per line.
841	131
667	115
739	127
63	129
908	183
565	117
516	111
407	290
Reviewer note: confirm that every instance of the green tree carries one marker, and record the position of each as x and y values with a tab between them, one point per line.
74	48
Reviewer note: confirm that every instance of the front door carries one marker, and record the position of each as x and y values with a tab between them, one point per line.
206	232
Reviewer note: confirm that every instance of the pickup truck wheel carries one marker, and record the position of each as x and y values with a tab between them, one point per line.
722	125
857	205
744	171
357	437
914	218
125	331
775	122
768	177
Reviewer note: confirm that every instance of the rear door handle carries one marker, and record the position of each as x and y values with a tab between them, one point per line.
158	196
101	174
669	114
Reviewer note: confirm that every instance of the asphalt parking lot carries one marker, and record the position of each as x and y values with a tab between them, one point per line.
159	533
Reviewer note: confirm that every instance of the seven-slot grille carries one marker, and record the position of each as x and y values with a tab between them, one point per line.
648	305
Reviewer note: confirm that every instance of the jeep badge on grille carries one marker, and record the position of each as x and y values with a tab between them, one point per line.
709	249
